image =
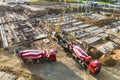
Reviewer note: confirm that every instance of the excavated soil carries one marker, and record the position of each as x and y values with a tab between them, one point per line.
19	73
107	60
8	58
116	54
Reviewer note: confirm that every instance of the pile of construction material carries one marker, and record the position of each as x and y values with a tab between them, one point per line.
107	60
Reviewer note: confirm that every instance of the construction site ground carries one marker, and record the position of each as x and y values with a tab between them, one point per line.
65	68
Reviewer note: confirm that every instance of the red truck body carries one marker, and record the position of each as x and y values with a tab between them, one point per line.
93	65
31	55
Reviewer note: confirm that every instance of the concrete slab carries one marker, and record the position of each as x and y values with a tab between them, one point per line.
103	49
2	74
66	26
118	22
40	36
118	27
115	23
107	26
81	35
92	40
97	31
114	30
91	29
71	29
117	41
7	76
84	26
111	45
66	22
103	35
77	23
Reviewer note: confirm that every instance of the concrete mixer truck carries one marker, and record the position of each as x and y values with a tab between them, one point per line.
81	57
37	56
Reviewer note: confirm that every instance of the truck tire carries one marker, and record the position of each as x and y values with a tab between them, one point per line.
38	61
84	65
26	63
89	72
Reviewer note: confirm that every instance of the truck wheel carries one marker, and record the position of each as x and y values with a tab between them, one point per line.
84	65
79	61
89	72
37	61
97	72
26	63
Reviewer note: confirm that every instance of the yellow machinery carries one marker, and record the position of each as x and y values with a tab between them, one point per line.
56	35
68	1
57	30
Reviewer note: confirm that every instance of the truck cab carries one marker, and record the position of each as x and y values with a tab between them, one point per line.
94	67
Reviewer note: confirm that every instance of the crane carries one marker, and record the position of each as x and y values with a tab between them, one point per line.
56	34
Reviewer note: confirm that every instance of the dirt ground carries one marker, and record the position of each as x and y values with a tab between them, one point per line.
116	56
64	69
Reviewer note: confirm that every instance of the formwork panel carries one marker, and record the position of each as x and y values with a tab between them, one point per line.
97	31
103	49
111	45
84	26
117	41
92	40
71	29
91	29
103	35
80	35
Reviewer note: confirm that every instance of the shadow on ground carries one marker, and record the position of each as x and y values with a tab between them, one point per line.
53	71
